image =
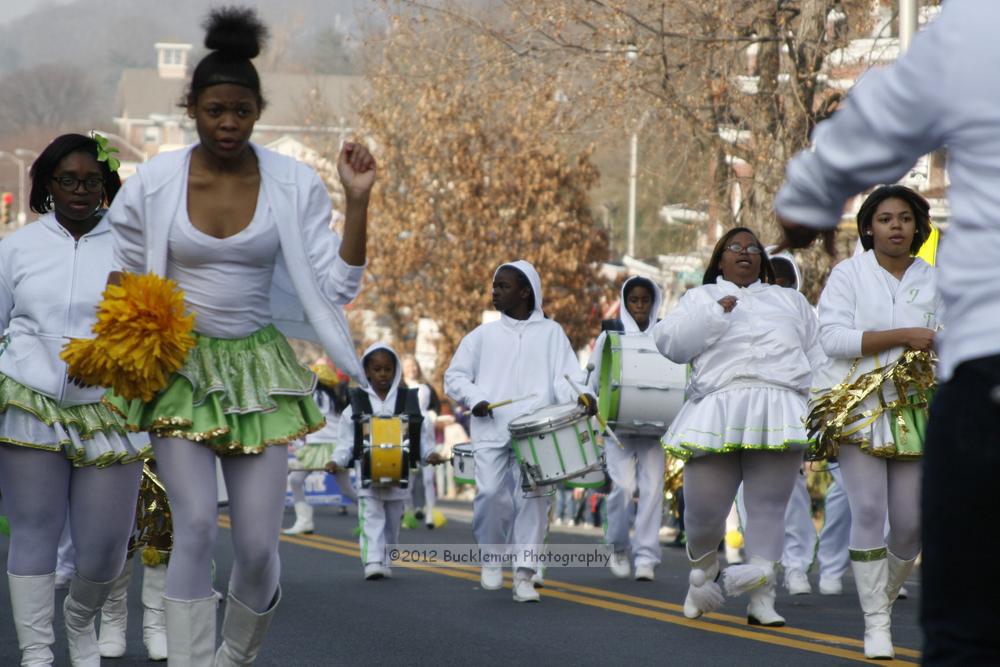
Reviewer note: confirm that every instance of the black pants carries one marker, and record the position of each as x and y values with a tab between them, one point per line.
960	604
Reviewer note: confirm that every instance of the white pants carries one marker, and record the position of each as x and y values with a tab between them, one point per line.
800	532
501	515
835	536
637	465
380	521
422	492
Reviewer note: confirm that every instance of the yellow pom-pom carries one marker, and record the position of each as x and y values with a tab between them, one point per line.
143	337
151	557
734	539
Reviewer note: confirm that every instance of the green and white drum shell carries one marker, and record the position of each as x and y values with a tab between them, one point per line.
641	391
594	479
556	443
463	464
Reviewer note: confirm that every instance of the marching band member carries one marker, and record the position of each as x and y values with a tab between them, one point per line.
639	463
245	234
752	347
875	306
331	398
380	509
59	446
521	354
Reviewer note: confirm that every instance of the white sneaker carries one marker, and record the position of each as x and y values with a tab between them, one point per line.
387	572
491	578
830	586
374	571
557	522
797	582
903	593
644	573
620	567
538	580
524	591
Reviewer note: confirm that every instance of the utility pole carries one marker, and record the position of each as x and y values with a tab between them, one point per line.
907	23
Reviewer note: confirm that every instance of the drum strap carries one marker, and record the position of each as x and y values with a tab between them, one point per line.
407	402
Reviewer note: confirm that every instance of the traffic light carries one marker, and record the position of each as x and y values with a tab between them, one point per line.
5	203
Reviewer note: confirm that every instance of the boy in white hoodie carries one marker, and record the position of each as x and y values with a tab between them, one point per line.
638	464
521	354
380	509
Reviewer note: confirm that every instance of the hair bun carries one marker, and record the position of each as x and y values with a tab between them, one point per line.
235	32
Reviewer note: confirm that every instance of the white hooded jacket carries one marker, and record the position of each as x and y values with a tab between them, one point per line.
380	408
769	338
631	328
510	359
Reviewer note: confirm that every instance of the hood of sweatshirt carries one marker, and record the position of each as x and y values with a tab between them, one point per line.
630	324
536	283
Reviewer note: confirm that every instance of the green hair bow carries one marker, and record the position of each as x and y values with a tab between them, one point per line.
105	150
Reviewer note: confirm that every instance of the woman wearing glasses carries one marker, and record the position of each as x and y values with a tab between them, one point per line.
60	448
876	306
752	347
245	233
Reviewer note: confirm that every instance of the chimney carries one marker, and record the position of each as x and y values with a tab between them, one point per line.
172	60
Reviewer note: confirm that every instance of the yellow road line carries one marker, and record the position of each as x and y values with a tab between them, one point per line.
652	602
765	635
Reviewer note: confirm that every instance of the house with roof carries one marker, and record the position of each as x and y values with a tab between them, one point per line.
313	109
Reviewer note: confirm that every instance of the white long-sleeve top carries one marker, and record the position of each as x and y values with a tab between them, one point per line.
769	338
380	408
944	91
50	285
509	359
861	296
311	280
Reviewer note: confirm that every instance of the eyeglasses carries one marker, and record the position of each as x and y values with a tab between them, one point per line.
736	249
71	183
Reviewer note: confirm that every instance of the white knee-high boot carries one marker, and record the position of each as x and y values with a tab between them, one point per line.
871	574
80	608
114	616
243	632
33	604
303	520
154	622
899	570
761	611
704	594
190	631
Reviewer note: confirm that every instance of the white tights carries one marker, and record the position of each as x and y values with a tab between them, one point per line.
876	486
40	486
256	487
710	485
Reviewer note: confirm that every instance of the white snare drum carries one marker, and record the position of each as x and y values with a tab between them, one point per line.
594	479
641	391
463	463
556	443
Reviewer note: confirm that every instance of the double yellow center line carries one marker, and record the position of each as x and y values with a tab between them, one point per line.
649	608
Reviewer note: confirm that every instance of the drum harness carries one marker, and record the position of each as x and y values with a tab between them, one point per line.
407	405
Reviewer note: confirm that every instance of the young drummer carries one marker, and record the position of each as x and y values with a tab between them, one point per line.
639	463
522	354
380	509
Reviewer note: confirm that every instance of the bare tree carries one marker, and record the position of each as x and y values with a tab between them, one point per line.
53	97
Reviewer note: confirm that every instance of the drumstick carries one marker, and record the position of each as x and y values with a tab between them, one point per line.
500	404
600	419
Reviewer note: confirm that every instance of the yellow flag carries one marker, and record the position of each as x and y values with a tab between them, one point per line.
928	251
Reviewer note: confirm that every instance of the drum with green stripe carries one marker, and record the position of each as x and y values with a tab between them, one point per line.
557	443
463	464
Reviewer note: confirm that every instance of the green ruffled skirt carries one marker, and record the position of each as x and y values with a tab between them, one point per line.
234	395
88	434
315	454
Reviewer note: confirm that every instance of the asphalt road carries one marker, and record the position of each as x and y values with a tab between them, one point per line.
330	615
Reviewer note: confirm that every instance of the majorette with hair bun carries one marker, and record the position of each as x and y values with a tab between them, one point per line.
244	233
56	438
879	312
753	348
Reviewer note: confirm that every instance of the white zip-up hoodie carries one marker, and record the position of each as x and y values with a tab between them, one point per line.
861	296
769	338
631	328
380	408
510	359
311	280
50	285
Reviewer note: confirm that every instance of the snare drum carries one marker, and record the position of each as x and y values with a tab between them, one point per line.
463	463
641	391
556	443
385	458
